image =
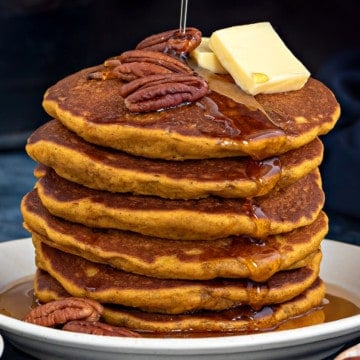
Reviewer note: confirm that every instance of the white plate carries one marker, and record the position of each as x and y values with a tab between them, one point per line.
340	270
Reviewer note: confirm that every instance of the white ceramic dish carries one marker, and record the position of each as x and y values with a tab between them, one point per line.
340	270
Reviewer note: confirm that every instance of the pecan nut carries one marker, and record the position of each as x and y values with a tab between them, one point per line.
157	92
172	41
133	64
98	328
135	70
64	310
164	60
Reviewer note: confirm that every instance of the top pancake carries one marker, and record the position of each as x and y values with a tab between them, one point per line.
106	169
215	126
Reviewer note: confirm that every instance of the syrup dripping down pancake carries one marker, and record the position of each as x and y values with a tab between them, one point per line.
234	257
215	126
302	309
83	278
105	169
204	219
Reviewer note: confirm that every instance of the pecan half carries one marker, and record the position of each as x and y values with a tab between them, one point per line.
135	70
157	58
61	311
98	328
172	41
133	64
157	92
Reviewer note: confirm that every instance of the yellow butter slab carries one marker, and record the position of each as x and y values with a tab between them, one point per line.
206	59
258	59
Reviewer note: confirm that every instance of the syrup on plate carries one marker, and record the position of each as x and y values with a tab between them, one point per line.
18	299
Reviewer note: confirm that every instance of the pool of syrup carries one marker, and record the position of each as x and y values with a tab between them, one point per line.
18	299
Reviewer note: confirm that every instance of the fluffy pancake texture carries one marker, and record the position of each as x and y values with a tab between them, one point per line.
215	126
241	319
104	169
233	257
204	217
282	210
83	278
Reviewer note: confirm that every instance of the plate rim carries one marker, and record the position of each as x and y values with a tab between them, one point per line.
225	344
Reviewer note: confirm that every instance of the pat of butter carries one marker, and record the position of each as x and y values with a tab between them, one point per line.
257	59
206	59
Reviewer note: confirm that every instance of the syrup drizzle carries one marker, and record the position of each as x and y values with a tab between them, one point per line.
183	16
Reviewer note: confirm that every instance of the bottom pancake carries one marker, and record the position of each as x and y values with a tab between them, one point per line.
105	284
303	310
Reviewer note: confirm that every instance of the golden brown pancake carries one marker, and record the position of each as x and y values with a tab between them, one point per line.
105	169
214	126
238	319
83	278
238	256
204	219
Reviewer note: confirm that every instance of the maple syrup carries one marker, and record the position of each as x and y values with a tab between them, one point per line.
18	299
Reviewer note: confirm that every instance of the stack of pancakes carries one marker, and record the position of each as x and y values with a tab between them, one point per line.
205	217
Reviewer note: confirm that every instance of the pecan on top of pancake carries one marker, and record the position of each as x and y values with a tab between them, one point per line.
156	75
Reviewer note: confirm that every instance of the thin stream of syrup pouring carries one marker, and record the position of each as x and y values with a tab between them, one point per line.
217	83
183	16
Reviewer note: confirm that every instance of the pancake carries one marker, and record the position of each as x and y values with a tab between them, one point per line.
233	257
239	319
280	211
214	126
76	160
82	278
